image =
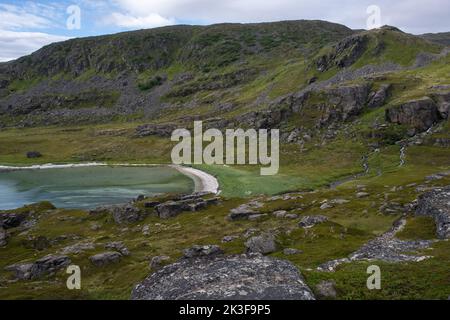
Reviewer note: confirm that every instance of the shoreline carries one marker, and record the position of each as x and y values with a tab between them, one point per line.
204	182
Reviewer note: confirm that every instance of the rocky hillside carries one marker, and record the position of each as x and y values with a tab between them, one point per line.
156	75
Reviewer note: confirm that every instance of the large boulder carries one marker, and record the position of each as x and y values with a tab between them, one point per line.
418	114
12	220
48	265
436	204
263	244
201	251
243	277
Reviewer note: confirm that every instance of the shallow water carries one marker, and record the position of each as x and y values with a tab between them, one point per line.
88	187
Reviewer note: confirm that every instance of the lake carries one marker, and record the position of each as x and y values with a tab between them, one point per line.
88	187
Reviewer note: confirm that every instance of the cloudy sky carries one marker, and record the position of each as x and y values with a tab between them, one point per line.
25	26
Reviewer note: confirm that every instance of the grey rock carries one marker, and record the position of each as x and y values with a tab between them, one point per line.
48	265
243	277
33	154
119	247
263	244
106	258
13	220
3	237
326	289
255	217
229	239
378	98
280	214
291	251
22	271
436	204
127	214
161	130
384	248
78	248
201	251
311	221
361	195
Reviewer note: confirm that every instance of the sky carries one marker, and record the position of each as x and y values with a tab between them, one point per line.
26	26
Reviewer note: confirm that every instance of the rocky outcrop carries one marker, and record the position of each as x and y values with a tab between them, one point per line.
311	221
3	237
384	248
263	244
418	114
105	258
122	214
343	54
436	204
12	220
443	102
377	98
201	251
343	103
246	210
78	248
189	203
160	130
243	277
45	266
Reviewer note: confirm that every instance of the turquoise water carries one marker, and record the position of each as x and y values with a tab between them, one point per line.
88	187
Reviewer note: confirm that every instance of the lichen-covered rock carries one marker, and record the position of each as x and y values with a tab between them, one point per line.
243	277
263	244
103	259
436	204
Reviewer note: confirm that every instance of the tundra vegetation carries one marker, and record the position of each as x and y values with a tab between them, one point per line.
364	157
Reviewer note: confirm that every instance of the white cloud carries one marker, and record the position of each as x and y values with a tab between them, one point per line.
14	19
15	44
151	20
